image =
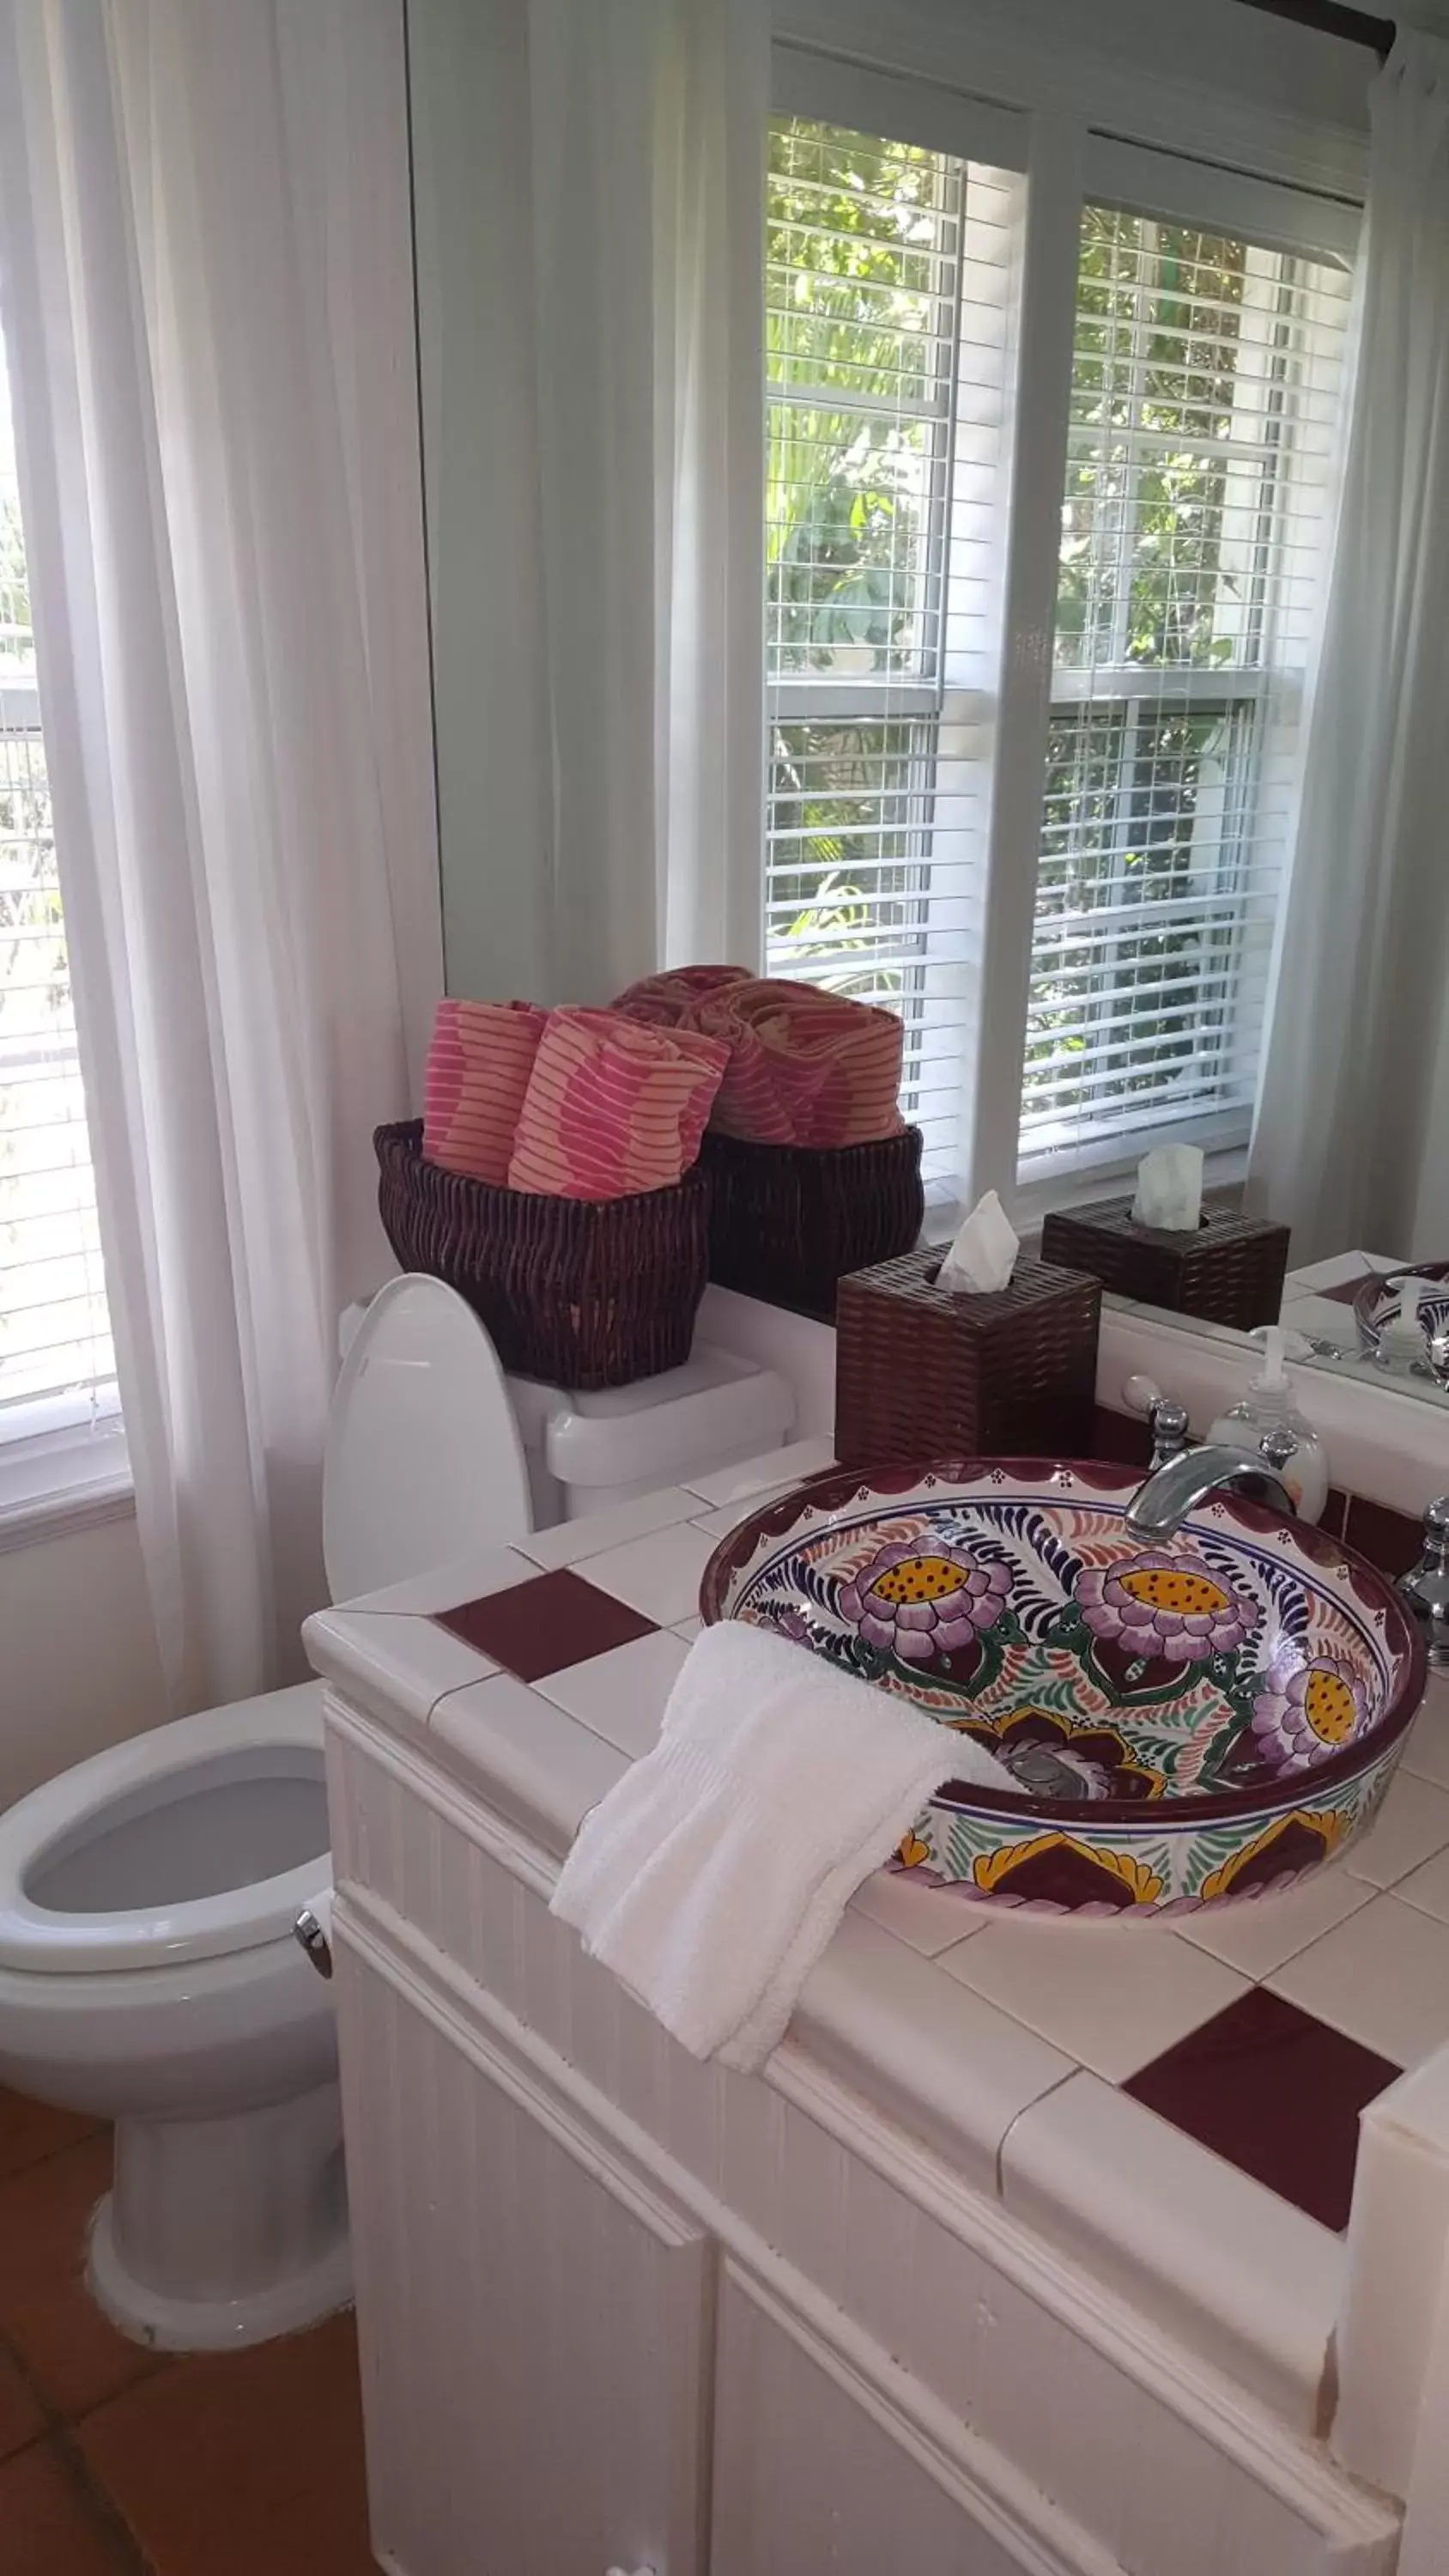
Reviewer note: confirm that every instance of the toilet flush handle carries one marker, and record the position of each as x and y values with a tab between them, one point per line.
311	1929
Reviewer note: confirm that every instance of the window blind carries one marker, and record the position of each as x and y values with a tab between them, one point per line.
57	1367
1204	406
886	297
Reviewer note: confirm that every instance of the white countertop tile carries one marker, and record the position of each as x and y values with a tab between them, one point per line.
1114	1995
1426	1754
1428	1887
928	1919
1258	1933
391	1660
1411	1825
748	1483
464	1578
659	1576
953	2069
1383	1977
533	1762
1234	2270
571	1542
621	1695
719	1524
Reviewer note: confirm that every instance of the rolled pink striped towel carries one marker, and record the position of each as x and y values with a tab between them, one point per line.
669	999
479	1064
614	1106
806	1067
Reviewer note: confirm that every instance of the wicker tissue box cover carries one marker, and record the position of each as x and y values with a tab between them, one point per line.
924	1372
1230	1271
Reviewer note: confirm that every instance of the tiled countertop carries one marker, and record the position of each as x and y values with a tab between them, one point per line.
1175	2105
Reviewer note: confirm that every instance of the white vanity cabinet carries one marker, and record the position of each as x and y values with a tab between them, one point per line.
620	2311
533	2315
812	2469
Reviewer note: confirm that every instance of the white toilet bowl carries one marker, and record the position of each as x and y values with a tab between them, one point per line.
148	1969
148	1975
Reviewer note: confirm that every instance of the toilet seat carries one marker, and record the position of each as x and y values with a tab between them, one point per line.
57	1817
423	1454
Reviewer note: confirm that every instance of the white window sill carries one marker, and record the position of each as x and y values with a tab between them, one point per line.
62	1481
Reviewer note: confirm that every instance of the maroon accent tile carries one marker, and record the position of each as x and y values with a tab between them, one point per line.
1274	2091
1335	1513
536	1628
1389	1539
1346	1291
1123	1437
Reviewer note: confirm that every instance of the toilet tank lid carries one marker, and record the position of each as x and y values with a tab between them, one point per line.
423	1461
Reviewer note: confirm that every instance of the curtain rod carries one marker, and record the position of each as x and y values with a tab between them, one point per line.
1333	18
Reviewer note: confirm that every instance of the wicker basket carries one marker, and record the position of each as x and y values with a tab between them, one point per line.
583	1293
788	1221
927	1372
1230	1271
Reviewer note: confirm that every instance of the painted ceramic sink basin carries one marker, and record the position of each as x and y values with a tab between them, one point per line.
1203	1720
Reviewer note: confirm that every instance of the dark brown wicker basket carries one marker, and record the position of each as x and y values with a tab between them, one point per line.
788	1221
923	1372
583	1293
1230	1271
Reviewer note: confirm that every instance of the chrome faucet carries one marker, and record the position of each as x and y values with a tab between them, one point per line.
1175	1487
1426	1586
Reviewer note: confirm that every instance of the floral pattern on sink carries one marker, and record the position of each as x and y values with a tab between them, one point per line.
1184	1722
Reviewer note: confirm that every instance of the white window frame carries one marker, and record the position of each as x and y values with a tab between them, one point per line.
64	1463
1065	166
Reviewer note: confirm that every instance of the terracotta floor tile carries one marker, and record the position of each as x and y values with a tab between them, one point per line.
30	2130
46	2312
50	2526
21	2418
227	2465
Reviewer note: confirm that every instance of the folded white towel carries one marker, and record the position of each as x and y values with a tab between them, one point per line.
713	1874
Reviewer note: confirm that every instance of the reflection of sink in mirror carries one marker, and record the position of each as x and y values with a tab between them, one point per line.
1342	1308
1206	1718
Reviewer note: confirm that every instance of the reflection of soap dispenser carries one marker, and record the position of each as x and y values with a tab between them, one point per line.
1266	1405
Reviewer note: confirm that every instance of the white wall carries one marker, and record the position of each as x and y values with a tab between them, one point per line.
78	1661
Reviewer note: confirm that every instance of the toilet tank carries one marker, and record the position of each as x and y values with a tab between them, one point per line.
587	1451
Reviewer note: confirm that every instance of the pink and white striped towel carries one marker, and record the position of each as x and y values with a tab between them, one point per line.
669	1000
806	1067
479	1064
613	1106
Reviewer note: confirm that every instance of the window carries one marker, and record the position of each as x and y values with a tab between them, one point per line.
1197	447
1203	407
57	1370
886	293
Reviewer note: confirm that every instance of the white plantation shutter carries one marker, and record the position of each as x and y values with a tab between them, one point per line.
1205	400
887	291
57	1368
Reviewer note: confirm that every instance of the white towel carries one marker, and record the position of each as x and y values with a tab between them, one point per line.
713	1874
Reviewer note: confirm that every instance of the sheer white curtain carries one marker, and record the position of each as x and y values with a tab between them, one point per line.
590	190
205	272
1352	1138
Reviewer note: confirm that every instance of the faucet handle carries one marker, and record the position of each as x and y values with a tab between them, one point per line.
1169	1425
1279	1445
1426	1586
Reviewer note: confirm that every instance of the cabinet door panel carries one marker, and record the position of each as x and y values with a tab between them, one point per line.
530	2316
808	2478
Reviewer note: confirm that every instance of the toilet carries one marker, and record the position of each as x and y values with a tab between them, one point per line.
148	1970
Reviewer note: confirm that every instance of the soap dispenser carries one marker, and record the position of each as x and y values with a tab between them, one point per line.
1266	1404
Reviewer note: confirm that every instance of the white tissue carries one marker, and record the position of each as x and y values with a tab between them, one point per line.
984	1253
1169	1188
